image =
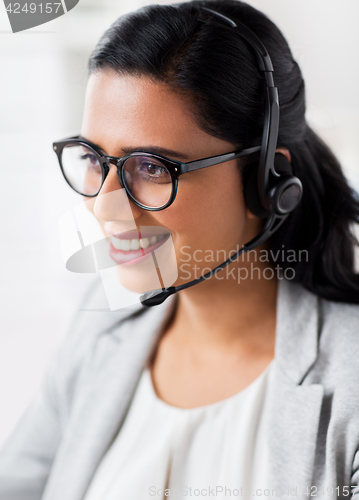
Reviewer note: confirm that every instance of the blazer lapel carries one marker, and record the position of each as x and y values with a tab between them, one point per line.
294	407
115	366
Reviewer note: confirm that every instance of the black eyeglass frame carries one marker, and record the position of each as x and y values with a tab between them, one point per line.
175	168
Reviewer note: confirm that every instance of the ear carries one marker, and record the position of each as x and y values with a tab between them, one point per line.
286	153
249	214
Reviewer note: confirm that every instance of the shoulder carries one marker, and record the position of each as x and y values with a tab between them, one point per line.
93	318
92	323
338	345
341	315
339	318
320	333
340	322
98	331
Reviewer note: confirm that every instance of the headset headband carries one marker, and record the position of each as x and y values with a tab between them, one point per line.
271	121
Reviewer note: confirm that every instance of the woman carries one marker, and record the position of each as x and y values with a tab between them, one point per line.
245	383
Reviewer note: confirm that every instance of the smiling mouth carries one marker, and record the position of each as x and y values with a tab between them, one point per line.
135	243
127	250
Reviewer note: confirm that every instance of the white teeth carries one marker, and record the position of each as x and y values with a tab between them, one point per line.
116	243
135	244
125	244
145	242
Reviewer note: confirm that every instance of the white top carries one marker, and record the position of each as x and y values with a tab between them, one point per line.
163	451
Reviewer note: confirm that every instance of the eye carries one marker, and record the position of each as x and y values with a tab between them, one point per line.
140	170
153	169
91	162
91	157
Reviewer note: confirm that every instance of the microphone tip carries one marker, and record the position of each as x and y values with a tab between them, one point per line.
156	297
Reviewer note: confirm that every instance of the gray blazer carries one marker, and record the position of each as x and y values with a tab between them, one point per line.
313	417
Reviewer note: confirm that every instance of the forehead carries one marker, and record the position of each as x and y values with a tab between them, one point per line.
136	110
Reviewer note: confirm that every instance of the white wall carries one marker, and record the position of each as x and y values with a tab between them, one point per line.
42	84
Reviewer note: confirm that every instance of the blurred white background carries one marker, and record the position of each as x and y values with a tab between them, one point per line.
42	87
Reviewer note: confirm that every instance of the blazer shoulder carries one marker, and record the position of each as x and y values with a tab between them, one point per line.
93	318
341	317
339	341
90	324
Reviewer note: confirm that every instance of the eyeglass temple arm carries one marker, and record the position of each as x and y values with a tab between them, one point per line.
215	160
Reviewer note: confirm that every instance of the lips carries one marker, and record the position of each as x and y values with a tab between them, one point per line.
127	244
125	248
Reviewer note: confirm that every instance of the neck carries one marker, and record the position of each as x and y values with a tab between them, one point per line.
221	313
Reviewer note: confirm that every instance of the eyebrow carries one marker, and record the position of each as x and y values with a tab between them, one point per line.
147	149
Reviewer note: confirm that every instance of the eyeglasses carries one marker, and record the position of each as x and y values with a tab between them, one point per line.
150	180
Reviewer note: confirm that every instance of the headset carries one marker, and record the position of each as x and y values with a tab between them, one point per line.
271	190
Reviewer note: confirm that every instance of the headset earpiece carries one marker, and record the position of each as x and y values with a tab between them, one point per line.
284	194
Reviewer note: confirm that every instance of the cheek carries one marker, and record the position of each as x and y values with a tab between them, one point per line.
209	211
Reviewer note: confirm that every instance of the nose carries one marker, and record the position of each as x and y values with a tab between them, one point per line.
112	202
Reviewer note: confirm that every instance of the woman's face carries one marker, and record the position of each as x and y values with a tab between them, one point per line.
208	215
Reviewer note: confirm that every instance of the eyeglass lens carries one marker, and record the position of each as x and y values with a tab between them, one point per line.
82	169
146	178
